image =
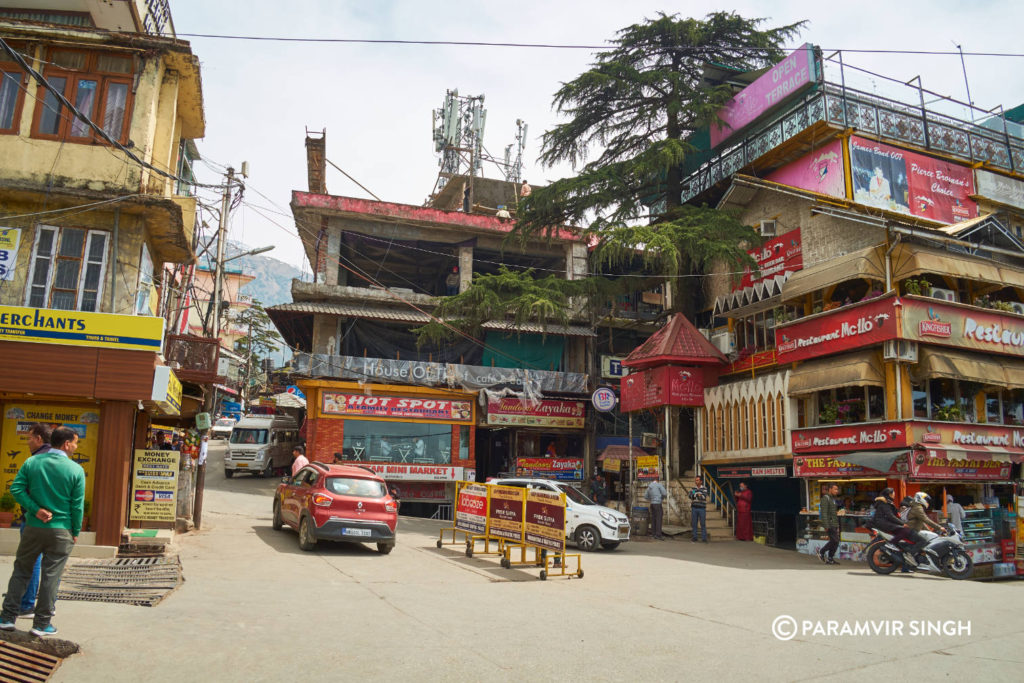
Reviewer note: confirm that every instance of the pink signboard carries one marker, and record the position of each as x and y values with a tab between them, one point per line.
778	255
894	179
665	385
820	171
338	403
788	77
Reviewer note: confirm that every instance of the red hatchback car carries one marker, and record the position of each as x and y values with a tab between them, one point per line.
337	503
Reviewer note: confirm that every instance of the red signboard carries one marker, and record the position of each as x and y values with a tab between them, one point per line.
362	405
846	438
421	491
825	466
513	411
925	465
778	255
955	435
506	512
937	322
545	519
561	469
852	327
755	360
665	385
471	509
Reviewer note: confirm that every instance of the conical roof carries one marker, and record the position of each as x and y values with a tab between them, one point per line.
677	342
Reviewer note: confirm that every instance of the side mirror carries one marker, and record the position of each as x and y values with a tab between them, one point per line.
286	480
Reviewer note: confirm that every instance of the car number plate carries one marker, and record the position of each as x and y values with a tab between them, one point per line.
356	532
623	531
241	464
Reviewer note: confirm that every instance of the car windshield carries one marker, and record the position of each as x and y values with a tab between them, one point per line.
247	436
362	488
226	422
573	494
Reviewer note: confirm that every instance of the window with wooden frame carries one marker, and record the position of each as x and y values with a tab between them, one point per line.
98	84
68	269
12	94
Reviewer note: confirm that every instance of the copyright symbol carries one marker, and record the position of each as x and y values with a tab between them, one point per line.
784	627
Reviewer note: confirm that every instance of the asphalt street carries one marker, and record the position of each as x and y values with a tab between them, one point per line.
256	608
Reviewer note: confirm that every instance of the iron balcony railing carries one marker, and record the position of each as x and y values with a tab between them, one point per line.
197	357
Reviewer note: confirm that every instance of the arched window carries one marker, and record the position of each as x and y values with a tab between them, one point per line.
770	429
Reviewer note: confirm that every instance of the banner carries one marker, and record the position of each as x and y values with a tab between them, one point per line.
999	188
860	437
672	385
19	417
77	328
894	179
804	466
852	327
552	413
820	171
778	255
648	467
154	486
506	512
471	509
933	465
545	519
9	239
446	410
559	469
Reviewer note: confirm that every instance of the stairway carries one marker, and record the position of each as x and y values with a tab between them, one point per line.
677	511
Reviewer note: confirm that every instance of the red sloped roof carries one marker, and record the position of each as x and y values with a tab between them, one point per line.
677	342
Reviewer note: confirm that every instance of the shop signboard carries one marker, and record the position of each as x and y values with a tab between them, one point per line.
505	514
612	367
154	486
166	390
604	399
545	519
402	472
937	322
425	491
1000	188
821	171
471	509
826	466
776	256
611	465
665	385
9	239
962	436
858	437
648	467
558	469
547	413
751	472
852	327
76	328
396	407
19	417
787	78
933	463
894	179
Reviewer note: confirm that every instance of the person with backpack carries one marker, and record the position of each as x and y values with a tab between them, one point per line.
828	513
887	520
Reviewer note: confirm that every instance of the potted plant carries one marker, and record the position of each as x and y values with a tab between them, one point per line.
86	509
1004	306
949	414
829	414
7	505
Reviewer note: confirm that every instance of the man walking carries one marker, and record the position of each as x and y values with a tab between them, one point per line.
38	442
50	487
698	509
299	459
656	493
828	513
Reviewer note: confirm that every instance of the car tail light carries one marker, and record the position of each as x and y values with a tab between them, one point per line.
391	506
322	500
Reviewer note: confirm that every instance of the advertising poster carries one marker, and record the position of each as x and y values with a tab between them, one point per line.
648	467
545	519
19	417
778	255
512	411
471	509
559	469
337	403
896	180
9	239
506	512
154	486
820	171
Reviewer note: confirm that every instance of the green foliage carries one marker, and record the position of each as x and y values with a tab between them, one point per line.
7	502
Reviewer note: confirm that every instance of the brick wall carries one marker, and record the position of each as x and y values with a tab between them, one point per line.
325	438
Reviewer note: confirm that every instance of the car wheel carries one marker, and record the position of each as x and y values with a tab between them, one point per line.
269	471
307	541
277	522
610	546
543	575
588	539
385	548
228	474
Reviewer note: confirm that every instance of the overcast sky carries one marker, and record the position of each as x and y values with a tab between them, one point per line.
376	100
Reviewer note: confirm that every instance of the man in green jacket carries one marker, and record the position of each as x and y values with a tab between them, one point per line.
829	515
50	487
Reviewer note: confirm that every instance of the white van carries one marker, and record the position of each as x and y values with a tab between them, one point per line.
260	444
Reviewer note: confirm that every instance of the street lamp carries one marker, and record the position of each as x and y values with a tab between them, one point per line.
252	252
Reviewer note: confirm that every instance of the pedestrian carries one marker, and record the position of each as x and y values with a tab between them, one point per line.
50	487
161	442
38	442
744	518
599	490
339	459
299	459
451	283
828	513
656	493
955	511
698	509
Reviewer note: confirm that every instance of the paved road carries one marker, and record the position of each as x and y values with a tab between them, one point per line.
255	608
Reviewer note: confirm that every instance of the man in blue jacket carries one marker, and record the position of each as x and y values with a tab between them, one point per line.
50	487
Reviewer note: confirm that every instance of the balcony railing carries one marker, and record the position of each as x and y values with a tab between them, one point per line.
197	357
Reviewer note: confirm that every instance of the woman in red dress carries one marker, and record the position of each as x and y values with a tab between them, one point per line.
744	522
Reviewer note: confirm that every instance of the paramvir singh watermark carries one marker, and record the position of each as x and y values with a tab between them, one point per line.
785	627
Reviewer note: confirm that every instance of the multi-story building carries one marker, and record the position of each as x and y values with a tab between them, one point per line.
881	341
87	229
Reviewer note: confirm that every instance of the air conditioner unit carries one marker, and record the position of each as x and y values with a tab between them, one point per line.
944	294
901	350
767	228
724	342
706	332
649	440
1018	308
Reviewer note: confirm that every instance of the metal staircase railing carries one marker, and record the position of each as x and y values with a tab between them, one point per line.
720	498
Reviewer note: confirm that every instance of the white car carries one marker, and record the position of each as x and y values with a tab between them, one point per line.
587	524
222	428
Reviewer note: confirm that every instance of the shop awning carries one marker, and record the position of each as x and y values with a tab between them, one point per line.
912	260
852	370
876	460
975	453
866	263
936	363
226	389
617	452
1013	370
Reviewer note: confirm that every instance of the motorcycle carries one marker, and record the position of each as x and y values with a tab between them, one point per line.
944	554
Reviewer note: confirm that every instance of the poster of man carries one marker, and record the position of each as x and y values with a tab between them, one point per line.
879	176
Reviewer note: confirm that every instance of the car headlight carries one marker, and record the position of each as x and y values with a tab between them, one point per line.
606	516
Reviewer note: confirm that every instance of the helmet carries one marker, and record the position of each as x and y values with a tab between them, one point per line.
922	498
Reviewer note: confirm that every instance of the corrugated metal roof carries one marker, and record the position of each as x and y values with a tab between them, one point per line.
411	316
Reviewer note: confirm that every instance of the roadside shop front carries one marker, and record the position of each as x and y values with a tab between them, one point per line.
547	436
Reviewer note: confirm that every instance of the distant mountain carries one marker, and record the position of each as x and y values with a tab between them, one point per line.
273	283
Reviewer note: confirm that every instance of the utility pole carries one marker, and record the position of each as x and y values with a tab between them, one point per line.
248	361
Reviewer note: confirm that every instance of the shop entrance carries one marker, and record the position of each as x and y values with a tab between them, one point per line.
492	453
535	444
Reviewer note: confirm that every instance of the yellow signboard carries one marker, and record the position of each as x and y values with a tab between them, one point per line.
154	486
9	238
611	465
648	467
166	390
19	417
76	328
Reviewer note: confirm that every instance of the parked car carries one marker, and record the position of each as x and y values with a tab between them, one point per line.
222	428
587	524
261	444
347	503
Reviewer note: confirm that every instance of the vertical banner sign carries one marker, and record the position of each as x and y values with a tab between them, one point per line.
471	509
19	417
154	486
505	514
545	519
9	238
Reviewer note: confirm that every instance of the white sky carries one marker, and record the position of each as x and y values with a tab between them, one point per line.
376	100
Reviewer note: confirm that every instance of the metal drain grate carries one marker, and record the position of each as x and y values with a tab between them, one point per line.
141	581
21	664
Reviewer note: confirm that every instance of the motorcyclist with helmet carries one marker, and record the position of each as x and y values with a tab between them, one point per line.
887	520
917	520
